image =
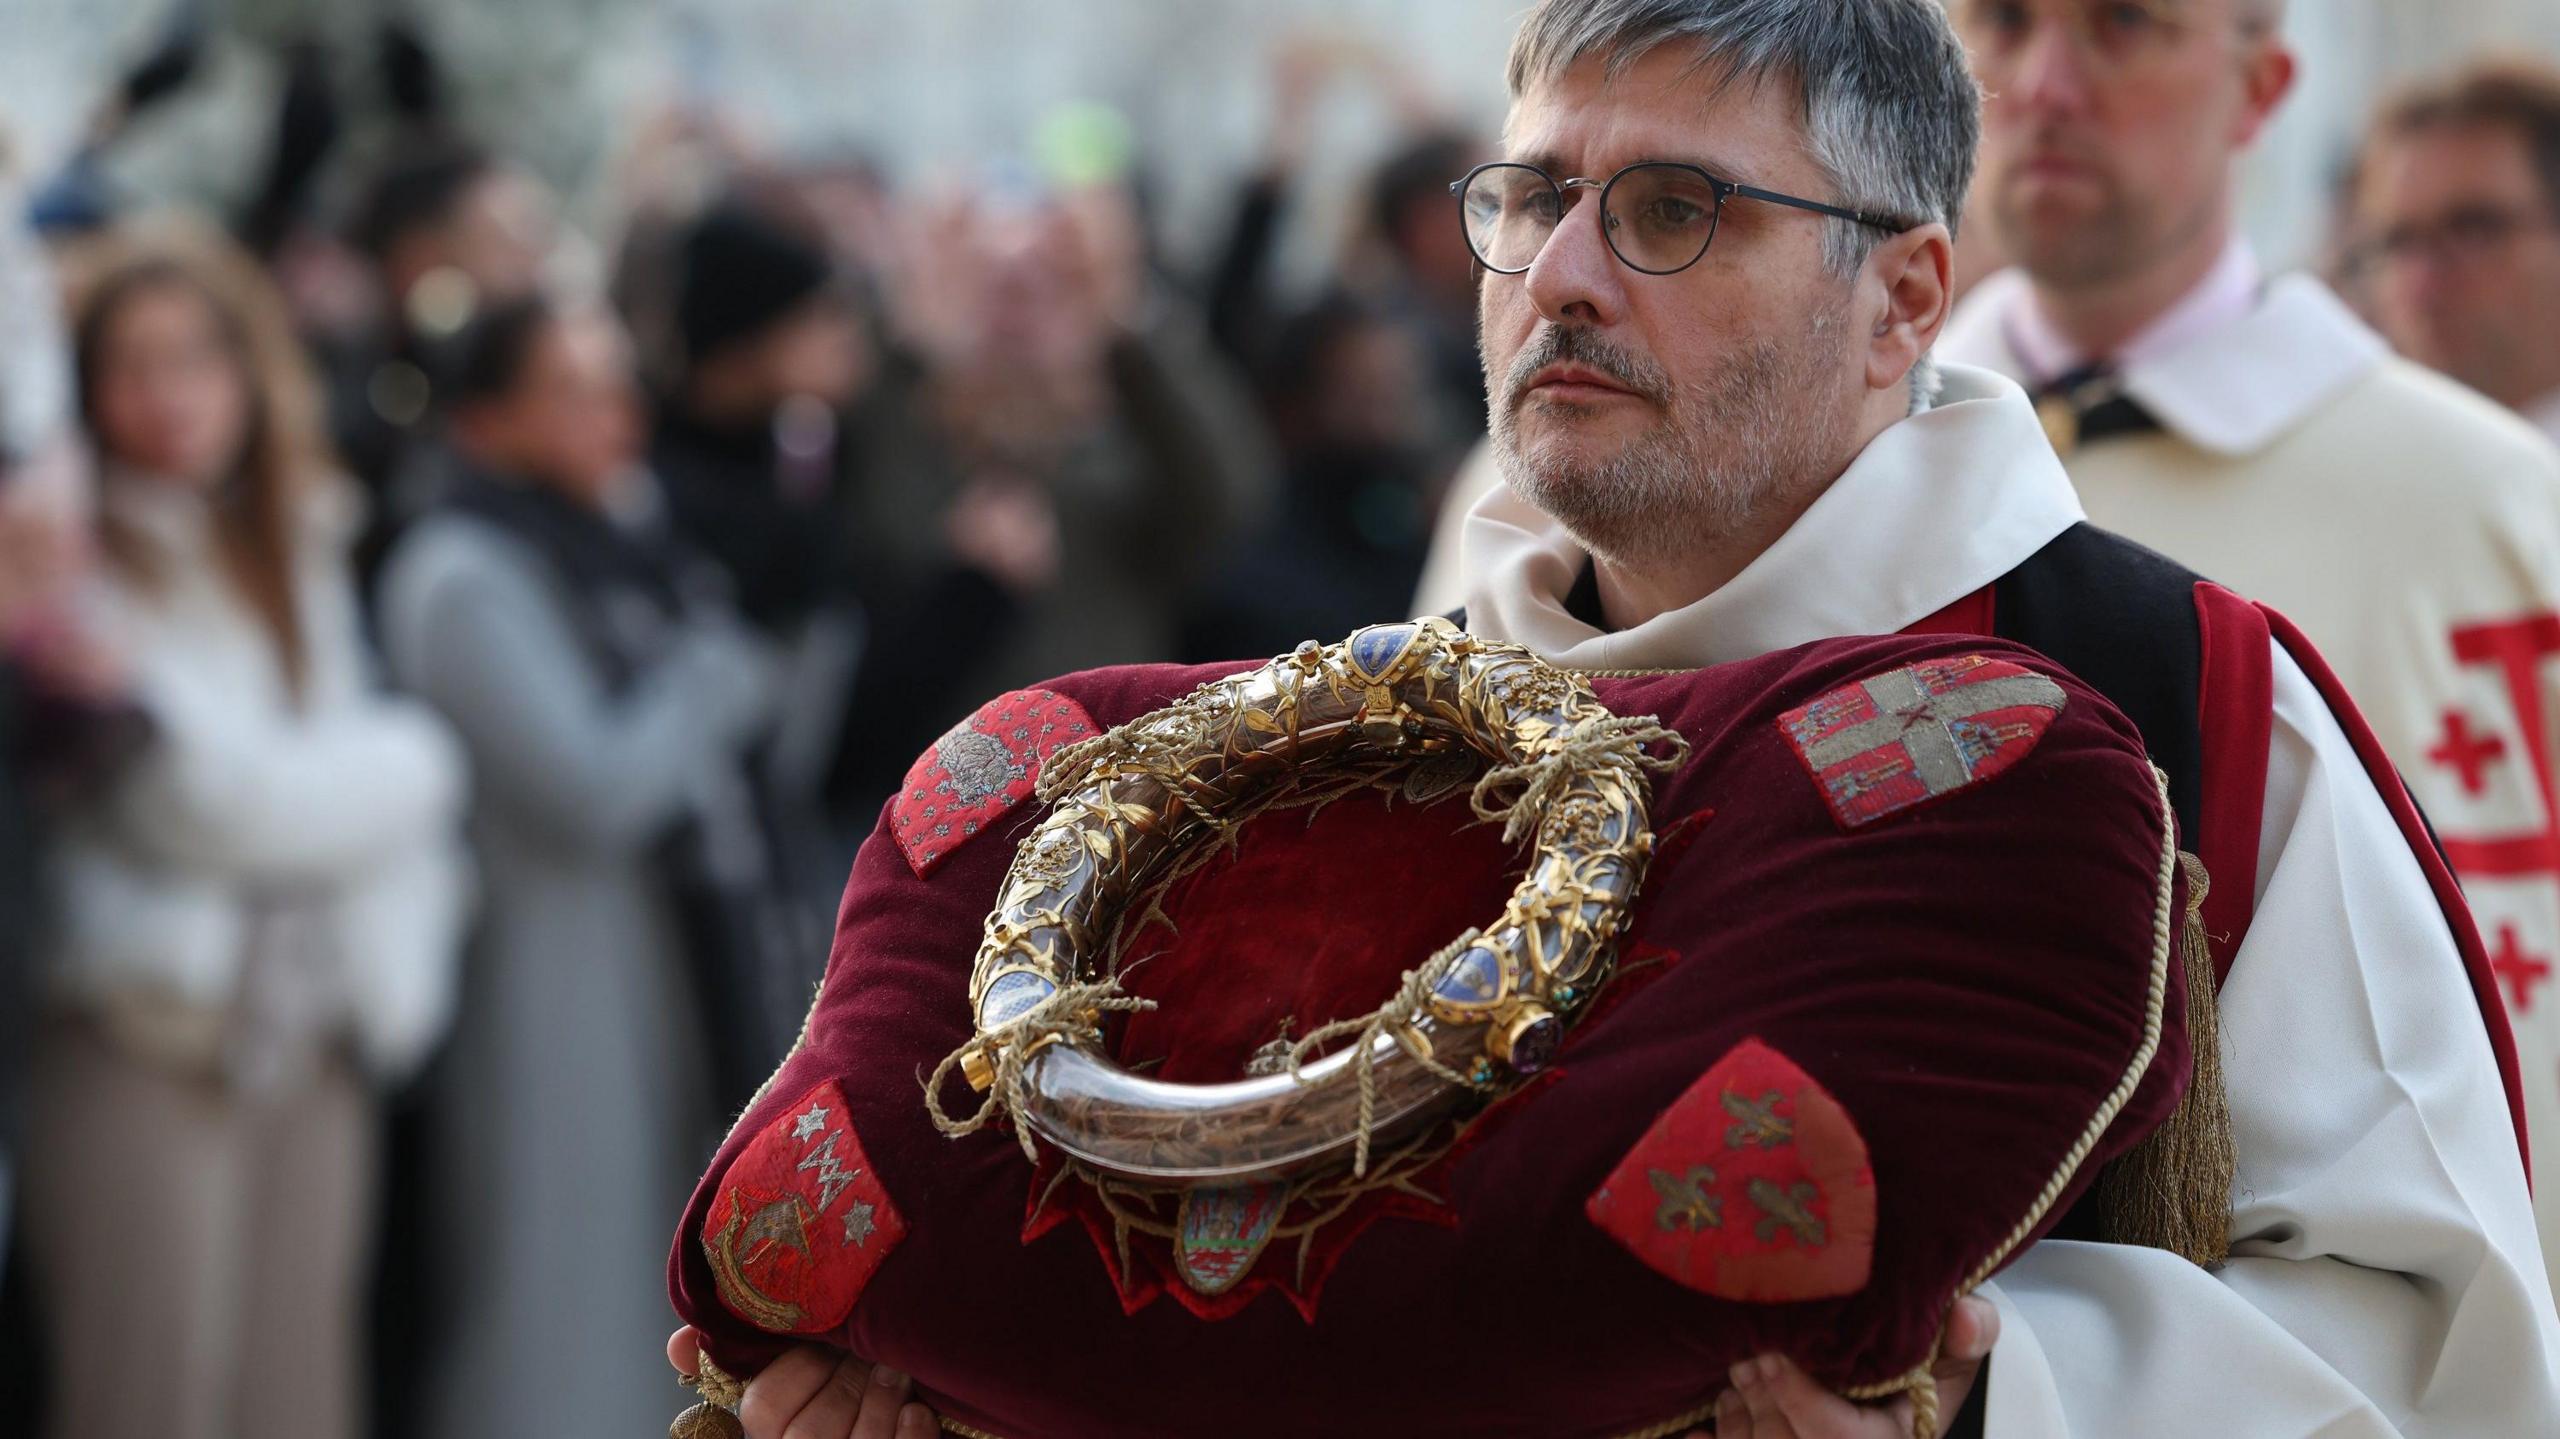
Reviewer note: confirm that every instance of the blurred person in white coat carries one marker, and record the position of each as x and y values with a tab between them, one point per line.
258	917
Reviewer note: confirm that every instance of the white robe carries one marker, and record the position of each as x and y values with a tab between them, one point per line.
2411	527
2545	415
2384	1275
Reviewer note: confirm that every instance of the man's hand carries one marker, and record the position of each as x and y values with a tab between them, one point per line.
1773	1399
813	1393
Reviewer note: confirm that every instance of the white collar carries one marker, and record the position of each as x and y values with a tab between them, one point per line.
1937	507
2232	389
2227	293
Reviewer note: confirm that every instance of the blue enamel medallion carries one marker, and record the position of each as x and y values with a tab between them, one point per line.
1011	997
1375	650
1474	978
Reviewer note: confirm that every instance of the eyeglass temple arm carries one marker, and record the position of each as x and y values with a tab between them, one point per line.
1881	222
1754	192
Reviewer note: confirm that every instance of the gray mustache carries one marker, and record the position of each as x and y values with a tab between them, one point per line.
1558	344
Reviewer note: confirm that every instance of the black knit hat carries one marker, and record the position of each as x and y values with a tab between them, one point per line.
741	273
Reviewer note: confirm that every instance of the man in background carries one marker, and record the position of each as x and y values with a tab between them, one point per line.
450	231
2252	428
2457	213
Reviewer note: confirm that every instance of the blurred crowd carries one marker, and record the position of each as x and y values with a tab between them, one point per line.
452	653
448	655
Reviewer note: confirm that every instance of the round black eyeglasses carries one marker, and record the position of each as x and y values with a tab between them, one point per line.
1659	216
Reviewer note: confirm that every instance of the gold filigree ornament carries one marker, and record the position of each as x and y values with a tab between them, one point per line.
1490	1006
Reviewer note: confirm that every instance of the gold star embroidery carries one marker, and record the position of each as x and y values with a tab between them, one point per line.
857	1223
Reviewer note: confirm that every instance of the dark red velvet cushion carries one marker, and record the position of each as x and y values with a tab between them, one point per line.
1965	980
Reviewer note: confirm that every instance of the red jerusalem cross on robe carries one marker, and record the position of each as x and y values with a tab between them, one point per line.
2517	649
1904	738
2510	875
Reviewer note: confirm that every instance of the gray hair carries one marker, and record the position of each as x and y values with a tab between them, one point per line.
1891	110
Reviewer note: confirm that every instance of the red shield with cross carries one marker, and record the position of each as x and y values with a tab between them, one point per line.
1904	738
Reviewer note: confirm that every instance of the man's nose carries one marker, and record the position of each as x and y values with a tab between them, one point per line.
2426	276
1575	279
2051	73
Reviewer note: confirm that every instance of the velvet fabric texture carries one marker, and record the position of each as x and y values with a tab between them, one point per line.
1967	979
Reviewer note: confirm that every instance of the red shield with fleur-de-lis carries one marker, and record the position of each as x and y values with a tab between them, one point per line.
1754	1185
1907	737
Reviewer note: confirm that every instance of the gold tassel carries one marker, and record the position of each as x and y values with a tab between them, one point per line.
2173	1191
706	1420
716	1416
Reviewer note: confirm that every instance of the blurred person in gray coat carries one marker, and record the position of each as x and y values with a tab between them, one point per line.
610	701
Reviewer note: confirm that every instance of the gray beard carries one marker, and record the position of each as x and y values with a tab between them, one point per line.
1729	450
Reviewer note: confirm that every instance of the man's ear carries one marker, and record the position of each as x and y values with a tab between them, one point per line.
2267	76
1912	279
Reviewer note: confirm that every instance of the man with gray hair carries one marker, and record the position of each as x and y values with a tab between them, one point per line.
2256	429
1718	250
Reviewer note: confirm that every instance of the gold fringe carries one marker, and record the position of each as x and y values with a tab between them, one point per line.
2173	1190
